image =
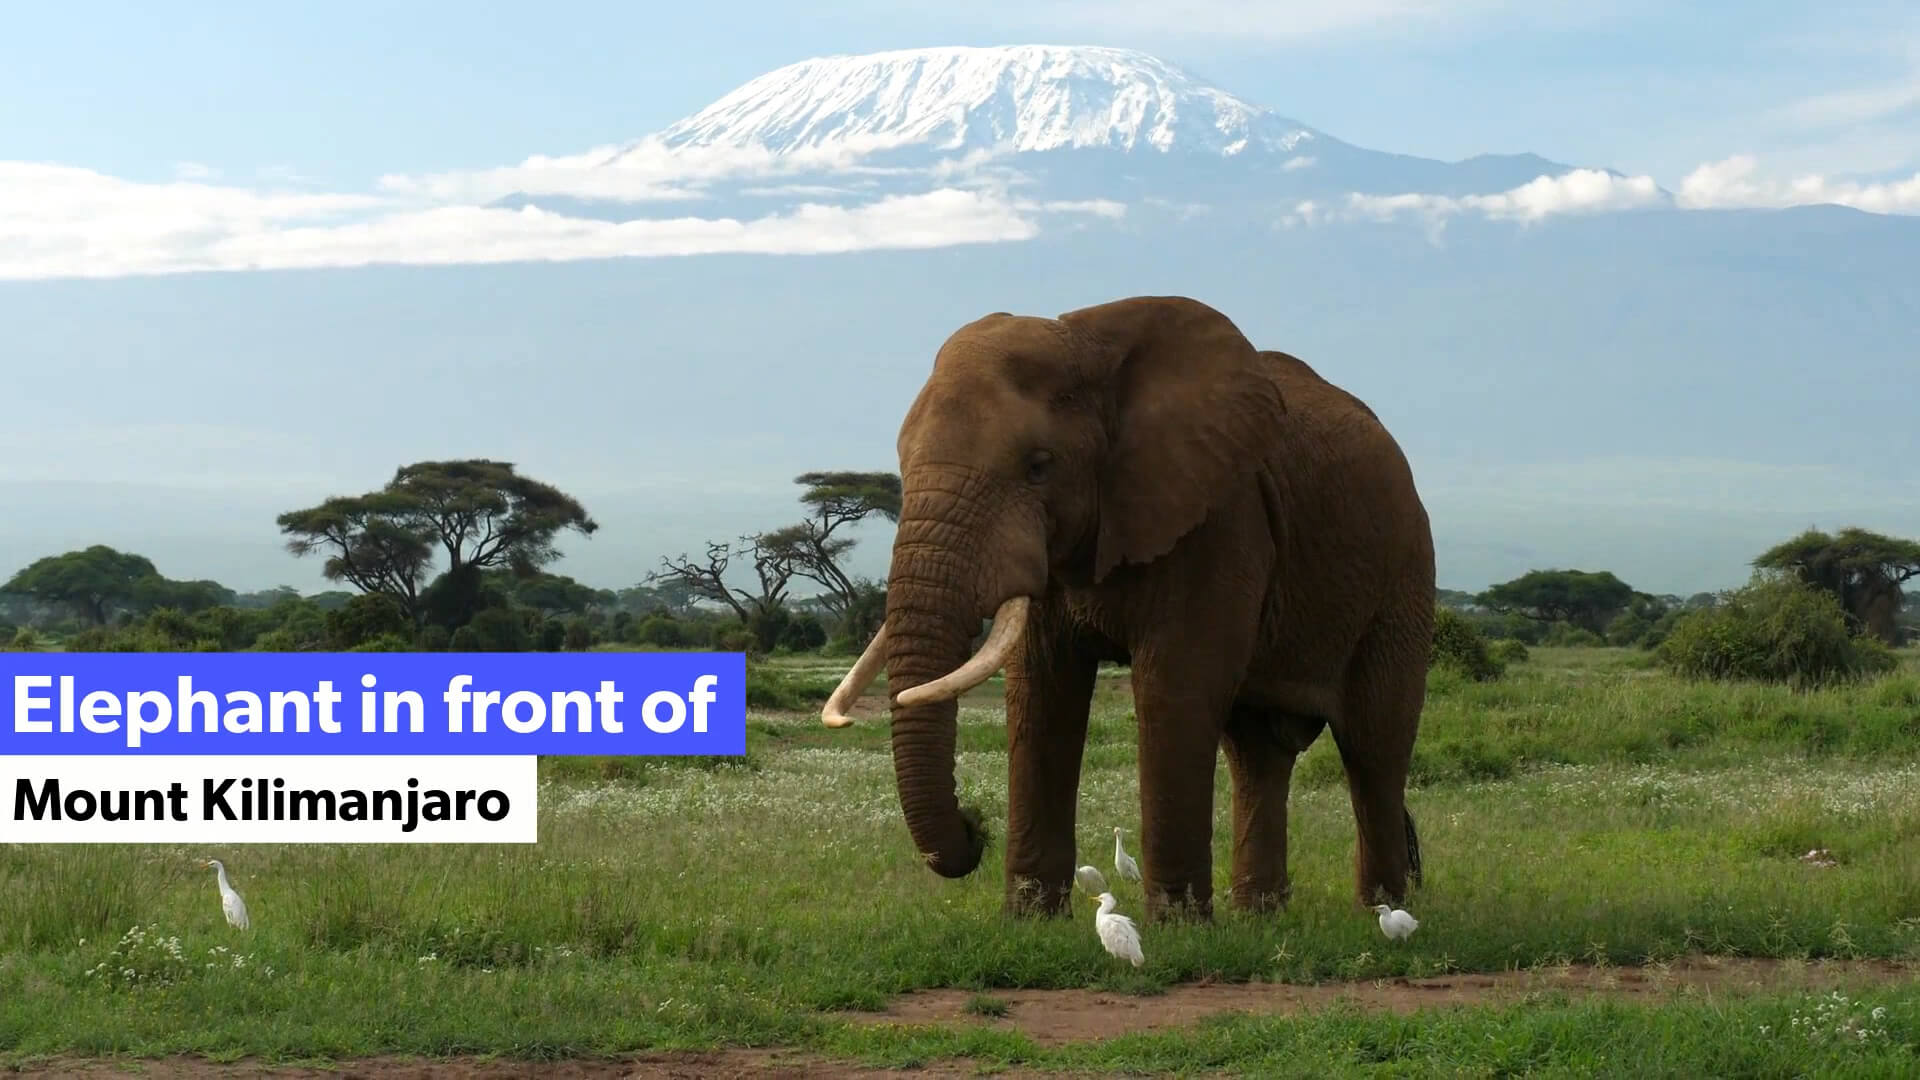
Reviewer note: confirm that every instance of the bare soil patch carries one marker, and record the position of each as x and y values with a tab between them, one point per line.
1053	1017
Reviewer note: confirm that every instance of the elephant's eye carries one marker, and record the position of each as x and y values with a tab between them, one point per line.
1037	464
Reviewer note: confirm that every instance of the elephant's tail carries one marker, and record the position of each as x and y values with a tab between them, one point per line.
1413	848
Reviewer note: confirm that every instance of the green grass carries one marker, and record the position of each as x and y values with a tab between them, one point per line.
1584	808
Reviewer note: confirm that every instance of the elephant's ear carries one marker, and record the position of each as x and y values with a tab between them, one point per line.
1193	404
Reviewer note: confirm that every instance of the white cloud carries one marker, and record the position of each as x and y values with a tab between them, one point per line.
1732	183
57	221
649	170
1105	208
63	221
1278	20
1581	191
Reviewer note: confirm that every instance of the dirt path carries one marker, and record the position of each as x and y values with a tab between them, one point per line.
1053	1017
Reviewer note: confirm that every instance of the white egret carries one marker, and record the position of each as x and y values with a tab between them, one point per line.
1395	923
1123	863
1091	879
1117	932
230	902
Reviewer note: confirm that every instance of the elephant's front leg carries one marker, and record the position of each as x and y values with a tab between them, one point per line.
1049	690
1180	724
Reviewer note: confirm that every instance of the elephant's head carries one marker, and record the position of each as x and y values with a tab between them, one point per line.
1040	451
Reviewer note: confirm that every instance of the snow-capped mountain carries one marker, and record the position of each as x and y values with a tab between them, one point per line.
1054	122
1013	98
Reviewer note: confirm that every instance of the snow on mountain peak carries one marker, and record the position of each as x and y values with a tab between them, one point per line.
1018	98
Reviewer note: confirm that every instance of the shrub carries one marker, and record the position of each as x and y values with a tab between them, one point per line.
364	618
494	629
803	634
1458	645
771	688
660	631
1628	628
1508	651
1566	634
1773	630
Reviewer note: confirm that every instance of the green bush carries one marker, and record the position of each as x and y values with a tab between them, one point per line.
1773	630
385	643
495	629
1508	651
1566	635
1458	645
803	633
366	617
771	688
661	632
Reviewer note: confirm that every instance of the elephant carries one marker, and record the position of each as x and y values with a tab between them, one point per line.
1136	482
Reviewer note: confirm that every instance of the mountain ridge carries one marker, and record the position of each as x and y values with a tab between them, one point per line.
1062	123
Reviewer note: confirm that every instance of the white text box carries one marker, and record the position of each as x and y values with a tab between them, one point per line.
320	799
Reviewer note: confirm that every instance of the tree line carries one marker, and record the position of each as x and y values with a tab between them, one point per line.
458	554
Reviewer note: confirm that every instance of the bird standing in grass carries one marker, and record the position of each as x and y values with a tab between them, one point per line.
1395	923
1123	863
1091	879
230	902
1117	932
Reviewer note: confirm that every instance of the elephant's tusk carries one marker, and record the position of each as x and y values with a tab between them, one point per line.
835	713
1008	624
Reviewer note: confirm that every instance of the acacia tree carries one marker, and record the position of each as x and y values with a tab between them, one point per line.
762	611
1864	570
772	565
838	500
375	545
480	514
93	582
1587	599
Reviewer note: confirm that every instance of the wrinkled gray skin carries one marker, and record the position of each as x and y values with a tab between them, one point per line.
1135	482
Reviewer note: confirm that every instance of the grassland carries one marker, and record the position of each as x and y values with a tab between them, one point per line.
1613	849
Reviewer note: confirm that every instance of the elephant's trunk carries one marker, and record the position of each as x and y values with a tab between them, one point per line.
937	588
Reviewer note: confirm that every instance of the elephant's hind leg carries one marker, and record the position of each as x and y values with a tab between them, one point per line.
1386	688
1261	746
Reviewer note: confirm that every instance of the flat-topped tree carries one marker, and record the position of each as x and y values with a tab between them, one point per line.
837	499
93	582
1864	570
481	514
1587	599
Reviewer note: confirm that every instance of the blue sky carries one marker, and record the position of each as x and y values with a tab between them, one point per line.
343	92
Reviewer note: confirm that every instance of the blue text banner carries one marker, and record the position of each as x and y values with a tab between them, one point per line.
273	703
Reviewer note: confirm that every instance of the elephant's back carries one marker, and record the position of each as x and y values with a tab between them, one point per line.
1298	381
